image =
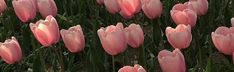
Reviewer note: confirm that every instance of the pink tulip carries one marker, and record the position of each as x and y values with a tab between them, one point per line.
3	5
24	9
113	39
199	6
100	1
223	39
46	31
134	35
10	51
182	15
152	8
73	38
180	37
112	6
136	68
129	7
232	21
171	61
47	7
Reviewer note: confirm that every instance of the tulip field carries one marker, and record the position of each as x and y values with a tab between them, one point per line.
116	36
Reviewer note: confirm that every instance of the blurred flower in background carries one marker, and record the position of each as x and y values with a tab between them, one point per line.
47	7
112	6
199	6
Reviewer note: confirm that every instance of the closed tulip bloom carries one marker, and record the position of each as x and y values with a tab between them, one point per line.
24	9
232	21
100	1
10	51
180	37
129	7
182	15
113	39
152	8
3	5
73	38
136	68
47	7
199	6
171	61
112	6
134	35
223	39
46	31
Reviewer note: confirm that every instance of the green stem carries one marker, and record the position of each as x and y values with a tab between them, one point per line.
113	63
60	58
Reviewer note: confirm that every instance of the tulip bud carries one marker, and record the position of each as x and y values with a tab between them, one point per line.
46	31
47	7
10	51
182	15
136	68
171	61
223	39
24	9
180	37
112	6
113	39
199	6
3	5
134	35
73	38
129	7
152	8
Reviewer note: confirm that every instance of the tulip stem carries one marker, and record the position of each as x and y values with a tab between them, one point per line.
113	63
60	59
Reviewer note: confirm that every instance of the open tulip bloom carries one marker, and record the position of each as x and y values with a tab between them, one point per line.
10	51
113	39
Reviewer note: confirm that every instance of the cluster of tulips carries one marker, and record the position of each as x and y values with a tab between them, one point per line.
115	38
128	8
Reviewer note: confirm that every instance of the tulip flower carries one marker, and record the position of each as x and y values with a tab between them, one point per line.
136	68
134	35
112	6
3	5
223	39
152	8
199	6
100	1
182	15
129	7
10	51
73	38
171	61
232	21
113	39
46	31
24	9
47	7
180	37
